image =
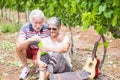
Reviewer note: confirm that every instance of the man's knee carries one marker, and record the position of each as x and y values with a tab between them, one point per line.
19	49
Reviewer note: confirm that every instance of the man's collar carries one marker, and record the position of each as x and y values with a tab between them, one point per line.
31	28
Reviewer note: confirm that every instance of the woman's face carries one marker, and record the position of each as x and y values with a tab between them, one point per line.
53	30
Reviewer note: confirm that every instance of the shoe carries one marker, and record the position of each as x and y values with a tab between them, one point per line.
37	73
24	73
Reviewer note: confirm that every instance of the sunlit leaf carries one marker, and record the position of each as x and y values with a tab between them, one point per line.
40	44
73	6
86	24
108	13
106	44
102	8
116	2
114	21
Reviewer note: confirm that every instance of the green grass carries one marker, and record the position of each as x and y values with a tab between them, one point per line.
9	28
6	45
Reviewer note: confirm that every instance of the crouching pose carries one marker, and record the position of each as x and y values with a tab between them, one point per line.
29	36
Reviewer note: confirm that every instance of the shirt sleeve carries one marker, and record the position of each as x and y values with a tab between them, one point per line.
66	39
22	33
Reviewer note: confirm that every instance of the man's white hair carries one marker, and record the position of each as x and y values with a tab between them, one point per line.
35	14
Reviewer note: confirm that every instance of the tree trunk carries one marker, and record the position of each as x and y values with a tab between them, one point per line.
18	17
28	15
6	13
71	47
105	50
2	12
10	15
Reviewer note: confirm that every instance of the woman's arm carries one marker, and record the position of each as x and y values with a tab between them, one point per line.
40	63
63	47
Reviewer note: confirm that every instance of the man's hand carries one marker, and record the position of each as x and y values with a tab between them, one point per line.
35	38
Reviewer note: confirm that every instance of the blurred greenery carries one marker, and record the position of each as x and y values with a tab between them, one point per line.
9	28
104	15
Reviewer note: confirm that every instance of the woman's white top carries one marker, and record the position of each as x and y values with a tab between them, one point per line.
47	42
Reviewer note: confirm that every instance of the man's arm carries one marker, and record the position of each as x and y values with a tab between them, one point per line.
23	43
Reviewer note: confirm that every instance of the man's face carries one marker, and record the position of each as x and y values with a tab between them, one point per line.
37	24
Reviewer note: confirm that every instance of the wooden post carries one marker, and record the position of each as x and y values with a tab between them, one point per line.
2	12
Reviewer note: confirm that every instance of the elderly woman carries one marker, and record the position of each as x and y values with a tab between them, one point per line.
56	59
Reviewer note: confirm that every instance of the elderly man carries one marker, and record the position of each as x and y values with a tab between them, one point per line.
29	36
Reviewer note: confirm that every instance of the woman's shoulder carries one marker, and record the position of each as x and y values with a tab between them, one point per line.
61	37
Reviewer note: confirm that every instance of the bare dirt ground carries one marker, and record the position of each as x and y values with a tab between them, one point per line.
10	65
83	45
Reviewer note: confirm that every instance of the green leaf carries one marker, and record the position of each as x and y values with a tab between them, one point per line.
103	30
85	15
73	6
77	1
83	4
105	44
116	2
114	21
108	13
86	24
102	8
42	53
40	44
98	28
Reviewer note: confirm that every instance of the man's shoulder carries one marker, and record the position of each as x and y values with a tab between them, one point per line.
44	26
27	25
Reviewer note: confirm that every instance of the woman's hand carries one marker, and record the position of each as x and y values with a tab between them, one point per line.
42	65
44	49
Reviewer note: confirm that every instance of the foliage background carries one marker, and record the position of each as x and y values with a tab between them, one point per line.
104	15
